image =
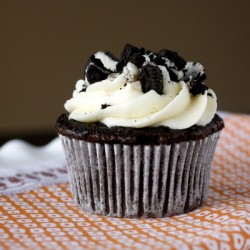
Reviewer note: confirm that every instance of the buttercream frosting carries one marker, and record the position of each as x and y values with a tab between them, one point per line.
119	100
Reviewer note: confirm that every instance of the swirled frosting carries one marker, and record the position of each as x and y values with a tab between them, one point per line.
146	90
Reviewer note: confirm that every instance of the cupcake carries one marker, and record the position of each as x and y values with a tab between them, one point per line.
140	134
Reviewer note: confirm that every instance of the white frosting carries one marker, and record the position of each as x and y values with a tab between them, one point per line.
106	60
130	107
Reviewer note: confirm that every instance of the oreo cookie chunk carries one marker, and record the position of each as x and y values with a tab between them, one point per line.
132	54
197	87
173	63
151	78
173	56
103	64
99	66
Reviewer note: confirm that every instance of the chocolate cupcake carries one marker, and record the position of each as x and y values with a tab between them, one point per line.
140	135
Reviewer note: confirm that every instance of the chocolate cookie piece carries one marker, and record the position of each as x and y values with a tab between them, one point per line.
103	64
128	52
197	87
173	57
137	59
170	66
151	78
96	74
96	70
105	105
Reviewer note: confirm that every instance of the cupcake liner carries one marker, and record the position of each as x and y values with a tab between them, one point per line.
139	180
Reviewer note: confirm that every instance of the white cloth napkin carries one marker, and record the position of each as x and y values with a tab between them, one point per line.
24	166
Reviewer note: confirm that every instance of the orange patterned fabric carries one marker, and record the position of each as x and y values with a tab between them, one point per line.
46	218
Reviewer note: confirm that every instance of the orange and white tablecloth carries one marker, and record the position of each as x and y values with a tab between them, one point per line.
46	217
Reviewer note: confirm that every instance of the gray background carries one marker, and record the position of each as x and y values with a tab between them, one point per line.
45	44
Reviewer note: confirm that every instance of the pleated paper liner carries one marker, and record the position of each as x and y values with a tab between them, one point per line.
139	180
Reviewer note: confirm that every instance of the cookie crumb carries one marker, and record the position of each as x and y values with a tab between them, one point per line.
105	106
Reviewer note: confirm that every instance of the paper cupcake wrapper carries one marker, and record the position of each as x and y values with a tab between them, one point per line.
139	180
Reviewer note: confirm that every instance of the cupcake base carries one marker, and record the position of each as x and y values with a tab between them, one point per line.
139	180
